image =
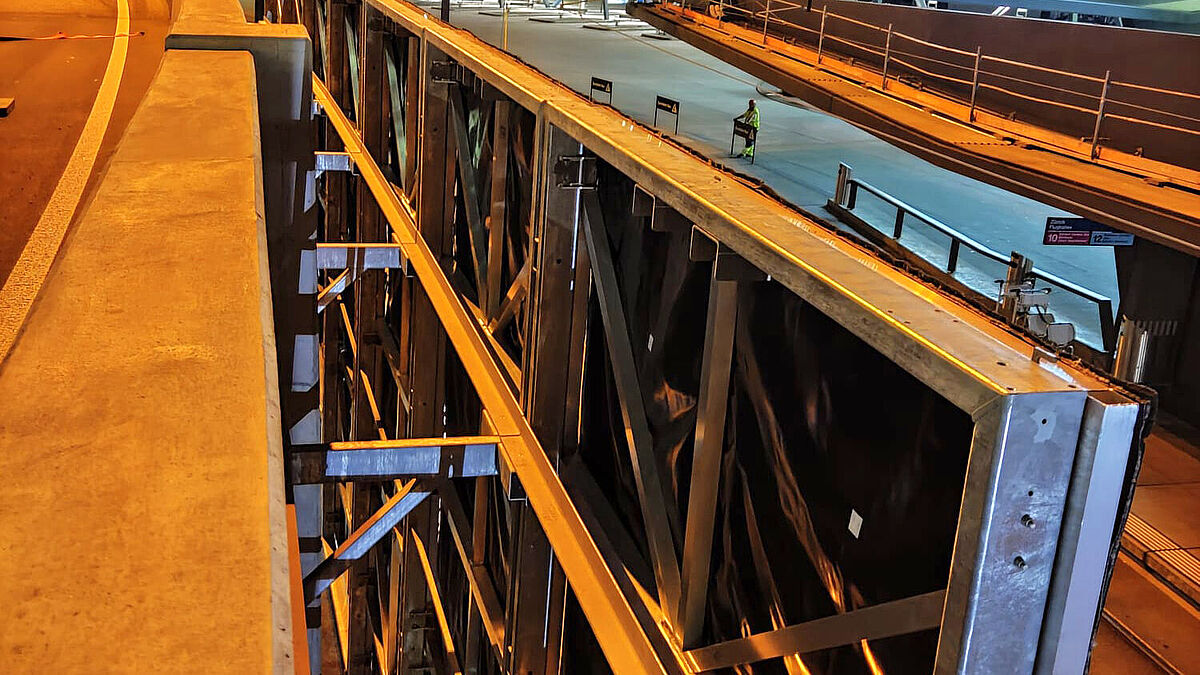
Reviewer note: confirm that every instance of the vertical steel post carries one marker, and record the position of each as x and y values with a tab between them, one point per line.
887	56
821	36
843	179
534	610
975	83
412	116
498	216
425	336
368	313
1018	471
706	461
505	39
1095	152
766	20
334	375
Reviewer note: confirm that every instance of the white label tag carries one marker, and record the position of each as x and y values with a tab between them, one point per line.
856	522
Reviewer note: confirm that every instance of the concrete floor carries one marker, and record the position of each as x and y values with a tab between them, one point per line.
799	150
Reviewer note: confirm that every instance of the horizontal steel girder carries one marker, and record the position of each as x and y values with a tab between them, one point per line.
466	457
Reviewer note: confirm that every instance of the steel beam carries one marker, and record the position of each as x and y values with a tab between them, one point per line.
362	540
450	664
468	180
423	334
365	419
413	97
483	593
359	256
1016	485
535	601
1088	540
498	217
706	459
876	622
336	228
467	457
653	498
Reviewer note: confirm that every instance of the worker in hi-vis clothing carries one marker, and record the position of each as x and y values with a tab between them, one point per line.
750	117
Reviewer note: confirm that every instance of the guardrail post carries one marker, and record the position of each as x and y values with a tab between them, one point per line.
898	229
1095	152
821	36
766	20
843	177
887	56
975	83
1108	328
952	263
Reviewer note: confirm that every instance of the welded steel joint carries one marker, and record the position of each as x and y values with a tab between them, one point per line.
575	172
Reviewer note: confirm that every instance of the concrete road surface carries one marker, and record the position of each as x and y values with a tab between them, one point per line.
55	83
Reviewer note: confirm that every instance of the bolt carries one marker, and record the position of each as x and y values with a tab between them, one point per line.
1020	562
1027	521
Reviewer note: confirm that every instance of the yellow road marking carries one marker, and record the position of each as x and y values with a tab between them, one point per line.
27	277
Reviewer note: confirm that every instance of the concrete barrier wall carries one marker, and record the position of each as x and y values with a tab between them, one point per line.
146	529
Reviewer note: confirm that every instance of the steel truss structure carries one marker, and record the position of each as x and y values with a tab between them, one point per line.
471	269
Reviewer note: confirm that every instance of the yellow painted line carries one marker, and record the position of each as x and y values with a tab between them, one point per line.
27	277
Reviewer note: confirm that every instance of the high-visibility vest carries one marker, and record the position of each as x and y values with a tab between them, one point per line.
751	117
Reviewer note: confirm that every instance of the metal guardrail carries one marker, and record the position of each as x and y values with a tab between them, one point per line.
846	196
1091	95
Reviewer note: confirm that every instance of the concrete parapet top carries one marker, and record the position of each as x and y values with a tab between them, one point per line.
224	11
145	524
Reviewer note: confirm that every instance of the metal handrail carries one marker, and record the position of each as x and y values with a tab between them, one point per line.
846	196
888	51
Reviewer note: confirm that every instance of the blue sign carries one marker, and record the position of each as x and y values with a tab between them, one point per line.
1083	232
1109	238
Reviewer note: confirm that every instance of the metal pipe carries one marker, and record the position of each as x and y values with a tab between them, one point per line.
766	19
821	37
1100	115
975	83
887	56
